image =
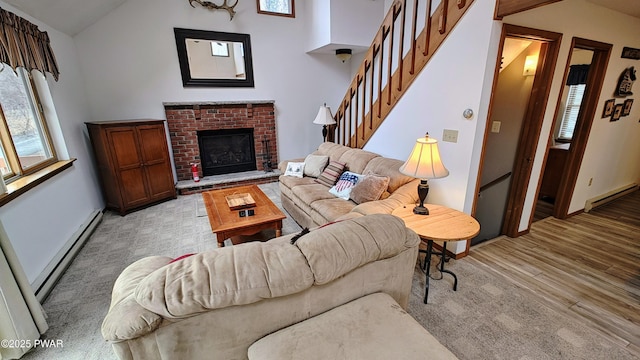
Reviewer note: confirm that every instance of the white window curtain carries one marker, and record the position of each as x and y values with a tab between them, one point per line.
21	316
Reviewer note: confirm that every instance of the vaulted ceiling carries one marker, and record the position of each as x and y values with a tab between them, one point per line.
56	13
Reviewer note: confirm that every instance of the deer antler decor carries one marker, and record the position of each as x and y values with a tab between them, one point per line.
212	6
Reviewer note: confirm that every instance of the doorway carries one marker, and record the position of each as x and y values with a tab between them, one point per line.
571	98
519	97
591	81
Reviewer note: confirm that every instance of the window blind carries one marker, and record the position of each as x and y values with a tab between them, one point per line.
571	110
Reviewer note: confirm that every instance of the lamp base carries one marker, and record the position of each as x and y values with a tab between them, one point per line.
420	210
423	190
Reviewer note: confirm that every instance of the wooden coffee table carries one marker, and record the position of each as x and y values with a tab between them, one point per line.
227	223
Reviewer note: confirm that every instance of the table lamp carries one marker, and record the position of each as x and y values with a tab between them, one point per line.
424	163
324	118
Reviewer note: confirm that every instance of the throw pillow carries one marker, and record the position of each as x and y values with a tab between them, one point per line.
370	188
347	181
315	164
331	173
295	169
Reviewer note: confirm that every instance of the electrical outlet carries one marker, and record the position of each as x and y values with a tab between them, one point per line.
495	126
450	135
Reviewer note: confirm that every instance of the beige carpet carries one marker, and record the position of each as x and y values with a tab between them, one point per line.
486	318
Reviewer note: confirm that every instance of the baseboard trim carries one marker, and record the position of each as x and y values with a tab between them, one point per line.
45	282
609	196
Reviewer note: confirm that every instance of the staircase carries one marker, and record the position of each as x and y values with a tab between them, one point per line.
395	58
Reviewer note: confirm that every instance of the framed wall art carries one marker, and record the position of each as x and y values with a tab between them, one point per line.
608	108
617	112
626	107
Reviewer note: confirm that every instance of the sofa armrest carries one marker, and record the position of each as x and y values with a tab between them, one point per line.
126	319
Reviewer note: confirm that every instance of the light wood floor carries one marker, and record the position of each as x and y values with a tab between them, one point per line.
587	266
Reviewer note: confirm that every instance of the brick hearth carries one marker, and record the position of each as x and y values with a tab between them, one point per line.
185	119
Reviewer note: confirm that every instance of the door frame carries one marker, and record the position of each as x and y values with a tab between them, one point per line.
532	122
586	115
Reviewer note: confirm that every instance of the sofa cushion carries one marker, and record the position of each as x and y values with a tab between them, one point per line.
339	248
331	173
333	150
406	194
314	164
290	181
371	327
324	211
221	278
308	194
295	169
357	159
345	184
388	167
369	188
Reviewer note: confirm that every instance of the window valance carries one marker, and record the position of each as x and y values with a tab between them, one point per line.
578	74
22	44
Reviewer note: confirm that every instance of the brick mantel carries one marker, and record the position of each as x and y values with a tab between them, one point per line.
184	119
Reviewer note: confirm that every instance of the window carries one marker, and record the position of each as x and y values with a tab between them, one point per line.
570	116
219	49
25	145
277	7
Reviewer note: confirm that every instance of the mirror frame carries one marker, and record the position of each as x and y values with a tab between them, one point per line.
183	34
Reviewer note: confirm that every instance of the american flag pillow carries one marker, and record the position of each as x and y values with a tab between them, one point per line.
347	181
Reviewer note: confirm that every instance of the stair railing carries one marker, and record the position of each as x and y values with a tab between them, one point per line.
398	53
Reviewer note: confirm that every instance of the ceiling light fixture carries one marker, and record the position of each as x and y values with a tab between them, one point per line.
343	54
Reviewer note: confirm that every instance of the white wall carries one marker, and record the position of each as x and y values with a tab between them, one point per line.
344	16
448	85
130	66
319	20
612	156
40	222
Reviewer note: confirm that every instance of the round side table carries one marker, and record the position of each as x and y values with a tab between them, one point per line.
442	224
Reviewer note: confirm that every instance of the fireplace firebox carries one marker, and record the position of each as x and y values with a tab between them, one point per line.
225	151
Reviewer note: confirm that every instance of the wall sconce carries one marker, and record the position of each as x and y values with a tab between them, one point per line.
343	54
530	64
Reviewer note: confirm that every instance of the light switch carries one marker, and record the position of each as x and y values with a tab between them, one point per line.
495	126
450	135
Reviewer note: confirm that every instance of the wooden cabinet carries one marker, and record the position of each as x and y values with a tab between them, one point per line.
133	161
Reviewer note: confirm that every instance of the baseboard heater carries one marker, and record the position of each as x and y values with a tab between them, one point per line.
52	273
610	196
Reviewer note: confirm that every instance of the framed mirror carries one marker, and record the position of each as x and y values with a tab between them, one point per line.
215	59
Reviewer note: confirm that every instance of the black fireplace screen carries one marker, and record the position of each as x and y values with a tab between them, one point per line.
226	151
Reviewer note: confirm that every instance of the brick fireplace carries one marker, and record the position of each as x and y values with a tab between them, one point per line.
185	120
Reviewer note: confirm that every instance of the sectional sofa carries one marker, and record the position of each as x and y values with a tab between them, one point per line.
310	203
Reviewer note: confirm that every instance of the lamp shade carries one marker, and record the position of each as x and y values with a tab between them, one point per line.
424	161
324	116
